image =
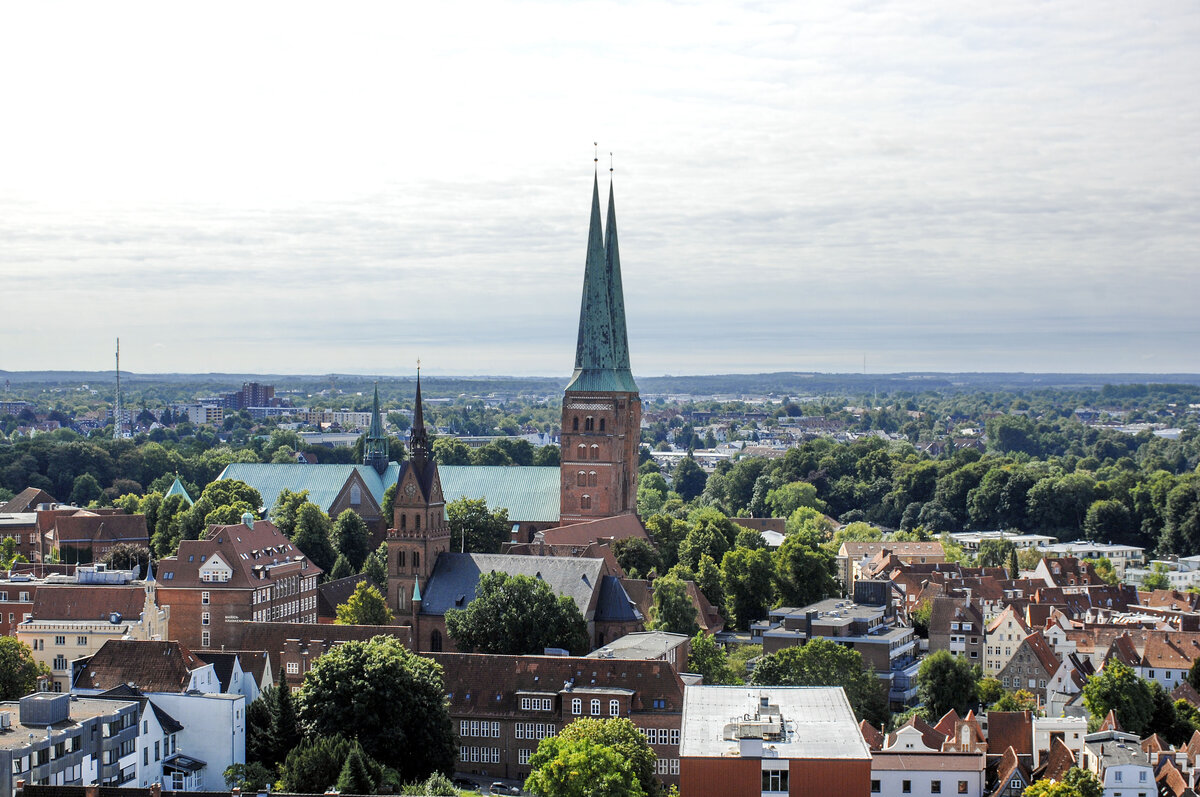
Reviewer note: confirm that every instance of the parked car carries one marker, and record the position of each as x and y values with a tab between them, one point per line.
502	788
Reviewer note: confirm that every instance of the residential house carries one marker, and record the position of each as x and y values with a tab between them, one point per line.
1012	776
852	556
1118	761
82	536
73	621
956	625
158	755
739	741
908	765
245	571
1033	667
1068	574
1004	635
293	648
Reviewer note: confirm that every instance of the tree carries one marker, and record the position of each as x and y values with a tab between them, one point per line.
1076	783
250	777
287	506
312	536
1021	700
821	662
990	691
85	489
995	553
341	568
709	660
636	555
783	501
232	491
485	531
920	617
19	671
673	609
622	736
803	572
580	768
689	479
285	725
1014	567
1117	688
747	578
516	615
351	538
375	568
945	682
451	451
126	556
354	777
365	607
392	700
1108	520
1157	578
314	766
260	740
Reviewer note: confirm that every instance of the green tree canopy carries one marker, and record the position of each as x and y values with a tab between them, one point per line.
689	479
18	670
621	735
821	662
673	609
945	682
365	607
390	699
351	538
785	500
709	660
580	768
747	578
485	530
375	568
312	536
1118	689
517	615
803	572
636	555
1076	783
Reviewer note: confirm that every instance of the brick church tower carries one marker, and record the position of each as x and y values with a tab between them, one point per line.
419	530
602	412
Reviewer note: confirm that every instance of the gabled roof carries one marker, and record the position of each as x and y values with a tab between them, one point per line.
1009	613
1042	650
872	735
1170	780
222	664
930	736
1185	691
150	665
1011	730
456	575
84	526
323	482
255	555
1009	769
1110	723
641	592
178	489
1059	761
617	527
947	723
26	501
1154	744
88	602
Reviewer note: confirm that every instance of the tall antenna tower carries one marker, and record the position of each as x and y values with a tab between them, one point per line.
117	403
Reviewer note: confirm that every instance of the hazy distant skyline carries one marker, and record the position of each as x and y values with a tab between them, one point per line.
308	188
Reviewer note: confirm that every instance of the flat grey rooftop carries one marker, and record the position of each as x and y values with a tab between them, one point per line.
818	722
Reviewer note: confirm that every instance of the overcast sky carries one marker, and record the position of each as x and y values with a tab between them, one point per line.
297	188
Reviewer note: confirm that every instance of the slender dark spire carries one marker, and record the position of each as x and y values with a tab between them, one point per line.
418	440
602	350
375	451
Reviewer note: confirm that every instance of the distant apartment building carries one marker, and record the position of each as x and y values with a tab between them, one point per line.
1121	556
245	571
853	556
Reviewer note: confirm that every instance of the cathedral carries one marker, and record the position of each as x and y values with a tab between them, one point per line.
601	427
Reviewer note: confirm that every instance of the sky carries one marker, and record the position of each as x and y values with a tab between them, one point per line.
314	188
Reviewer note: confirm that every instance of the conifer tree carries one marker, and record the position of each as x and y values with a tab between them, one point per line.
354	778
283	722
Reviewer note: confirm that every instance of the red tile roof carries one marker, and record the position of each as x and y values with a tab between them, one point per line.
149	665
1011	730
88	602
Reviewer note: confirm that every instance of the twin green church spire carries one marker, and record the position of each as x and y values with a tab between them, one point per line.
602	349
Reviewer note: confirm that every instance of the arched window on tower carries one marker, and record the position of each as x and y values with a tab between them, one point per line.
575	424
400	557
592	479
403	522
589	424
416	558
602	424
582	451
581	479
595	452
435	641
416	522
585	502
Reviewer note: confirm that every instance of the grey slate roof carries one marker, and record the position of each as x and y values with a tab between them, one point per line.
614	604
529	493
456	575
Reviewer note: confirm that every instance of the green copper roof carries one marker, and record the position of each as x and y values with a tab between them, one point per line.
177	488
529	493
602	348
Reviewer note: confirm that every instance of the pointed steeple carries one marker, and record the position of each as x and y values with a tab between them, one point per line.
416	596
602	350
418	439
375	451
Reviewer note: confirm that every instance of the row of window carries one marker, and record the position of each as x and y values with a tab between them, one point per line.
589	424
583	479
537	704
479	755
582	452
283	588
661	735
614	707
667	766
535	730
286	610
935	787
22	596
474	728
400	557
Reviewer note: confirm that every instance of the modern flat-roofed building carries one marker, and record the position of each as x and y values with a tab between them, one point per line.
970	540
793	740
1121	556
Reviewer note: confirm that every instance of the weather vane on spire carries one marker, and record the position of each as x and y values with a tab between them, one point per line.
596	157
610	163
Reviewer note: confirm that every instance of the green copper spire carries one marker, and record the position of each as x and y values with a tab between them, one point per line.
602	350
375	450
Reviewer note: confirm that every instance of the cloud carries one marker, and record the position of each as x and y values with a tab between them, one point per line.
940	187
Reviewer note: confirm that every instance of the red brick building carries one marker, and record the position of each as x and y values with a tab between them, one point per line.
294	647
502	706
602	411
247	571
